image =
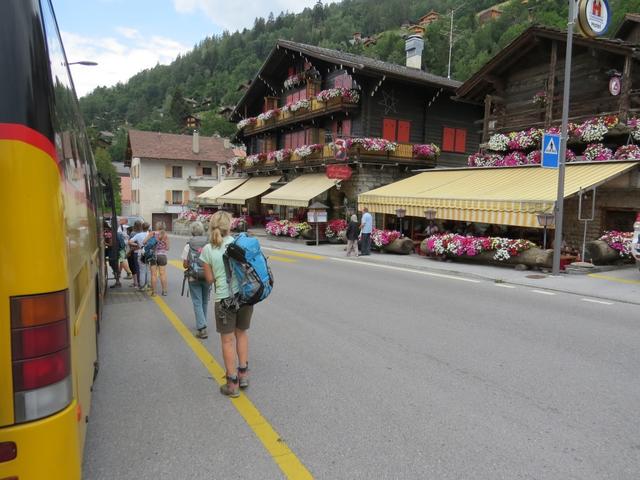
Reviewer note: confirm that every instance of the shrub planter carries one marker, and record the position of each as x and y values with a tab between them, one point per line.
602	254
401	246
531	258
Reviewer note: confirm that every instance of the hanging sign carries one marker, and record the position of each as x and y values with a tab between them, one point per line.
615	86
340	151
339	172
594	17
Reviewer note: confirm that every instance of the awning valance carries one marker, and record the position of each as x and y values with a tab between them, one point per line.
299	191
506	196
220	189
251	188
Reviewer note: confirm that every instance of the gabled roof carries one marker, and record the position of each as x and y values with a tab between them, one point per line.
170	146
630	20
359	63
473	88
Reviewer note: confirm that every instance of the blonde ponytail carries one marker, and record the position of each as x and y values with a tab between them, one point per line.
219	227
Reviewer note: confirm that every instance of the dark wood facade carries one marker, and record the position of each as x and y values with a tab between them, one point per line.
397	103
534	63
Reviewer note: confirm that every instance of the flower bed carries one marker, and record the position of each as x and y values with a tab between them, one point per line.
245	122
348	95
269	114
336	228
286	228
627	152
308	150
453	245
303	104
279	156
619	241
381	238
597	152
428	151
372	144
294	80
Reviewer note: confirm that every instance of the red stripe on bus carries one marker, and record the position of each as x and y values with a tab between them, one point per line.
22	133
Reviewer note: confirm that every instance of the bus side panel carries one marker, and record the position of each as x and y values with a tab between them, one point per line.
48	450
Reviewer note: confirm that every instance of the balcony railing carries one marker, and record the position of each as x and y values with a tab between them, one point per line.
403	155
203	181
316	109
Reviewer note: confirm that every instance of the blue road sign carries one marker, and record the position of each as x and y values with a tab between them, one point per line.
550	150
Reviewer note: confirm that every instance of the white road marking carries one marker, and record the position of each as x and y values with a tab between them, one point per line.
502	285
542	292
591	300
400	269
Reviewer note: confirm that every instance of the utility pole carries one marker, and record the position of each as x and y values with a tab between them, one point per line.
557	243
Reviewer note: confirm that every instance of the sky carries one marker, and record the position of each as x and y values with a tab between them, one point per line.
127	36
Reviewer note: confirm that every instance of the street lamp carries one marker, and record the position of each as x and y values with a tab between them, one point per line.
400	213
430	215
86	63
546	220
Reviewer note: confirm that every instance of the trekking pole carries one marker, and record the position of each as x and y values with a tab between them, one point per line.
184	279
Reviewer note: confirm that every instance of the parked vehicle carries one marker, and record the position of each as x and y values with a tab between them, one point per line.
635	242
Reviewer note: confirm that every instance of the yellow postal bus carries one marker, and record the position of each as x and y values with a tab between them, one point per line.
51	261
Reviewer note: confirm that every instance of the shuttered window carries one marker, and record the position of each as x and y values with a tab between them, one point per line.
396	130
454	140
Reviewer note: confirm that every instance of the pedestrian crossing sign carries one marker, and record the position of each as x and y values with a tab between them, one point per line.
550	150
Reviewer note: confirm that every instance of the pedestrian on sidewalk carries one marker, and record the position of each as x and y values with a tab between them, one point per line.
158	262
352	236
123	265
232	322
136	242
131	258
366	228
199	288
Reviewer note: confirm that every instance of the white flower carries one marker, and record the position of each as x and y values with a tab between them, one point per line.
499	142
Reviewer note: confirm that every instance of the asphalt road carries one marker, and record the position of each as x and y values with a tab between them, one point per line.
369	371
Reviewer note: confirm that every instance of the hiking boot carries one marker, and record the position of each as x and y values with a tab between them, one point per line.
243	376
231	388
202	333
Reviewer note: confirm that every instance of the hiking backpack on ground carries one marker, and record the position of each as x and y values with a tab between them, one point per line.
245	261
195	270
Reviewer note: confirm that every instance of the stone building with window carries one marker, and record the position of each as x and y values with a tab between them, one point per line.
168	171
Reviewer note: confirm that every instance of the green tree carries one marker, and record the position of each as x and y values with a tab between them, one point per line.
108	171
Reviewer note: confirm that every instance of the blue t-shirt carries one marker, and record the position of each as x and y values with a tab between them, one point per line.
367	223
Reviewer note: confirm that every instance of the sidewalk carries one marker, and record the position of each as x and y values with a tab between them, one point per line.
620	284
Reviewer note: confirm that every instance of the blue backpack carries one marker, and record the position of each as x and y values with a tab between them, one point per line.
245	261
149	251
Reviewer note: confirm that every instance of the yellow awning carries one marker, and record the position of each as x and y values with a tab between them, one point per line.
251	188
299	191
506	196
221	188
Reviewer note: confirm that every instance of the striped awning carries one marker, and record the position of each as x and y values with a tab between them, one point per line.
505	196
299	191
251	188
220	189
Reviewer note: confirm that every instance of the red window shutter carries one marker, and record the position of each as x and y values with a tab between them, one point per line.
287	140
290	98
347	81
296	96
300	138
303	94
292	70
461	140
404	131
346	128
448	139
389	129
337	83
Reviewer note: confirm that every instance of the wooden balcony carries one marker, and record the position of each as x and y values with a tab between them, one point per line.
402	156
317	109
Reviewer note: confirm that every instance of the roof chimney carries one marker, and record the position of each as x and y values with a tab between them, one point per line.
196	142
414	45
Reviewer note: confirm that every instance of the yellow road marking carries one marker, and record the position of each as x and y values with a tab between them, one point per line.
614	279
176	263
282	259
288	462
291	253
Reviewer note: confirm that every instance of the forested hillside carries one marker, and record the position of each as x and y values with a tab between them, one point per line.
154	99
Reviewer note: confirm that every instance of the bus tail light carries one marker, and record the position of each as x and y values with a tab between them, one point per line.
41	355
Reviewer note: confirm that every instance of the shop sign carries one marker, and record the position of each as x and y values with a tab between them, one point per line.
315	216
594	17
339	172
615	86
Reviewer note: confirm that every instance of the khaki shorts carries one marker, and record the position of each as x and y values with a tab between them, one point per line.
160	260
227	322
122	255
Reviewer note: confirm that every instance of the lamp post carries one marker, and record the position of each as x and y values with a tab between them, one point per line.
546	220
430	215
400	213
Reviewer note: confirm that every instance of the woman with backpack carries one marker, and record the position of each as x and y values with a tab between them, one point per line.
232	322
199	288
156	249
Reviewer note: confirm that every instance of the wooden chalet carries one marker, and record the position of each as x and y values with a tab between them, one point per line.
534	63
381	100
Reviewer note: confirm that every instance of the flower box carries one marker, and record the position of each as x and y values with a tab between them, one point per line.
400	246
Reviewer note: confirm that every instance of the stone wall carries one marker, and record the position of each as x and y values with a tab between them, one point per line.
626	199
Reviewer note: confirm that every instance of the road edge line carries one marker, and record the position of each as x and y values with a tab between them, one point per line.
281	454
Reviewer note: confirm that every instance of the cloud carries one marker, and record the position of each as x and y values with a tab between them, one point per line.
119	57
227	15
